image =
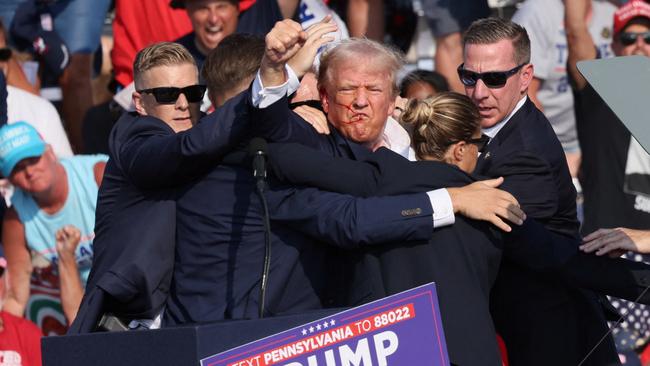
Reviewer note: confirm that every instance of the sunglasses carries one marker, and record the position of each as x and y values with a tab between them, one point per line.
492	79
629	38
480	142
169	95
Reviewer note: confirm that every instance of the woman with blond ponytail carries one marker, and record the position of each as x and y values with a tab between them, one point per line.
445	128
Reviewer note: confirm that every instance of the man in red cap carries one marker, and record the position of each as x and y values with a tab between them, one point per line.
615	176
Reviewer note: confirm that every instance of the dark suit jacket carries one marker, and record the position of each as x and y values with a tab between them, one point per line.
220	245
136	211
462	259
541	319
532	245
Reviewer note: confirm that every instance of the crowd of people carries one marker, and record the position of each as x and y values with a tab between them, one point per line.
501	175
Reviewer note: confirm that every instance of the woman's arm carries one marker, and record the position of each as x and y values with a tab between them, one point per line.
19	263
67	240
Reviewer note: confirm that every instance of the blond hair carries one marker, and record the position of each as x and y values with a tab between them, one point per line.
160	54
388	59
440	121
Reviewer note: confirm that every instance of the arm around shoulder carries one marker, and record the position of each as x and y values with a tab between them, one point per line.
351	222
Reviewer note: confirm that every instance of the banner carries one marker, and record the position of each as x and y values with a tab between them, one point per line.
403	329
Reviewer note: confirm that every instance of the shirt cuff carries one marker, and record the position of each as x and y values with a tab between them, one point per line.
263	97
443	210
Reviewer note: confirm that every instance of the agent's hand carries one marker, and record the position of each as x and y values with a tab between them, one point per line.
615	242
314	117
302	61
483	201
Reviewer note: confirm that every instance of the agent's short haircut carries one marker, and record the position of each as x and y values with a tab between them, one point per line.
236	59
160	54
493	30
383	57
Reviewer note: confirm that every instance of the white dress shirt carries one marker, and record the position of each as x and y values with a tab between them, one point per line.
397	139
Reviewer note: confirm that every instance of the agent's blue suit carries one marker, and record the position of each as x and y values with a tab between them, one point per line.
534	312
136	212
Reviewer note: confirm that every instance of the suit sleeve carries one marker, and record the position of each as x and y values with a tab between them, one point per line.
153	156
350	222
301	165
530	179
533	246
381	173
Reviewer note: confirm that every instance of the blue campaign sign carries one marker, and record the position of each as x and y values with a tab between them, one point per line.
403	329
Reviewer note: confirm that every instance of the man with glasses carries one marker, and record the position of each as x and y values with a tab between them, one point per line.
542	320
614	173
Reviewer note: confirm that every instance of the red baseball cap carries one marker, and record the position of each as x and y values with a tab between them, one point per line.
629	11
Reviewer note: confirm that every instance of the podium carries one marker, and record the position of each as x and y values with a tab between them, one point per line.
172	346
402	329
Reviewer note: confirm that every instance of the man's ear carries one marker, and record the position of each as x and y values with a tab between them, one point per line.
324	100
139	105
527	74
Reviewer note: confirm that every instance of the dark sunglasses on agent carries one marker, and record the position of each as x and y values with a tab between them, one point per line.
491	79
480	142
629	38
169	94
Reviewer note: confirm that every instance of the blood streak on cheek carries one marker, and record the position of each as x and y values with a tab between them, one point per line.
355	115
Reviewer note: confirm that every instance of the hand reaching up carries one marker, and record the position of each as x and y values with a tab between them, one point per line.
67	240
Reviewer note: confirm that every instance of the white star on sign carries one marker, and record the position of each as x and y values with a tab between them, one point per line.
325	325
317	326
304	331
311	329
332	322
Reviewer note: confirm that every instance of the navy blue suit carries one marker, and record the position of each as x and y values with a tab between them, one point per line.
542	320
136	212
220	242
